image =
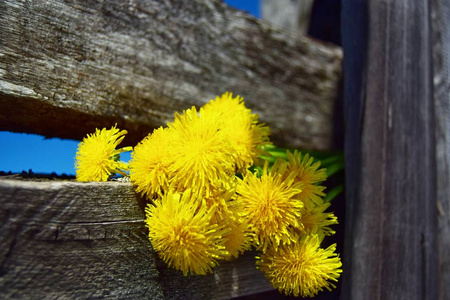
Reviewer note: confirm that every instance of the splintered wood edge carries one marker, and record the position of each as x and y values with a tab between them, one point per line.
71	239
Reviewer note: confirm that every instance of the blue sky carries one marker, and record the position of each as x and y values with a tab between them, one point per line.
20	151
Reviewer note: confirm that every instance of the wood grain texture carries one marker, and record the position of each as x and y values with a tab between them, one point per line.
88	240
391	234
74	240
441	75
69	66
230	280
293	16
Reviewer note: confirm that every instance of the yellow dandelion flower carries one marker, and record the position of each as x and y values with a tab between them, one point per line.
97	156
181	233
270	204
302	268
310	175
316	220
240	237
201	152
150	162
244	132
226	107
218	200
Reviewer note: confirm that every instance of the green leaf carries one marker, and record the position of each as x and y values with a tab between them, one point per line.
334	193
331	159
334	168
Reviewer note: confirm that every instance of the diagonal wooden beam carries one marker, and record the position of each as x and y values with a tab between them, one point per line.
67	67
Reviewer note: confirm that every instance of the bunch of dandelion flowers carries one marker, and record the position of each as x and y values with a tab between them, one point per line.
245	134
270	204
181	232
150	163
301	268
97	157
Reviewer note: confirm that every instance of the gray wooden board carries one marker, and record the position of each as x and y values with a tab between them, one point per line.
391	232
64	239
441	70
69	66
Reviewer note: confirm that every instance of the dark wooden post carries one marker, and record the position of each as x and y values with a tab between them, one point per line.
391	216
441	72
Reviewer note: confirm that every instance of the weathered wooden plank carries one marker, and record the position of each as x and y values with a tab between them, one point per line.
441	72
74	240
391	234
63	239
69	66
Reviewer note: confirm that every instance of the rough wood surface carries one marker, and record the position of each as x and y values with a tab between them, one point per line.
69	66
230	280
391	231
441	70
293	16
88	240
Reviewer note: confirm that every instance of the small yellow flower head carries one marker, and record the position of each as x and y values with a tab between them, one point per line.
245	134
302	268
201	152
97	156
309	175
218	200
150	162
240	237
316	220
181	232
227	107
270	204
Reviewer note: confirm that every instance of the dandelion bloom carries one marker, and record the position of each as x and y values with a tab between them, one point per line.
316	220
180	231
150	161
245	134
226	107
239	238
270	204
302	268
310	175
202	157
97	156
218	200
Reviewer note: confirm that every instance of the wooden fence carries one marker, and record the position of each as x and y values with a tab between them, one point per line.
69	66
